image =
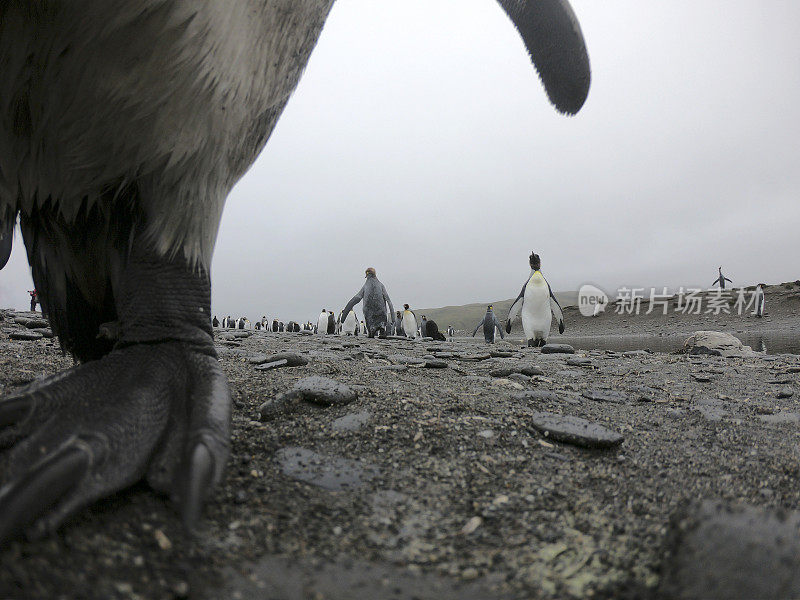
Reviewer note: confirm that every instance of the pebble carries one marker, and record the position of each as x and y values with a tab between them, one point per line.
558	349
574	430
701	377
786	392
351	421
32	323
435	364
528	370
501	354
25	335
315	389
605	396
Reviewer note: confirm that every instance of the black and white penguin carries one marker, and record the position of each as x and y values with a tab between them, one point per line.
423	326
398	324
409	322
123	126
490	325
375	301
720	281
450	332
537	305
215	322
275	325
322	322
350	324
257	326
759	300
331	323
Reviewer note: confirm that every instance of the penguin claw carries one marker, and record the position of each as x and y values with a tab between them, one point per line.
100	427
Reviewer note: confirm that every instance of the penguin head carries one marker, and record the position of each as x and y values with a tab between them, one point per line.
489	307
370	271
405	306
535	261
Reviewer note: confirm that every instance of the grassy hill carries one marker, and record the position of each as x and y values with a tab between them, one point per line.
465	317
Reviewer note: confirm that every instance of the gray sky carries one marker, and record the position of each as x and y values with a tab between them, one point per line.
421	142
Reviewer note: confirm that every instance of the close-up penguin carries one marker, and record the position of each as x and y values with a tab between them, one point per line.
123	127
537	304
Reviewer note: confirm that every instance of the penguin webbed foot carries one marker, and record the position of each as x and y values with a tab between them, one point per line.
156	411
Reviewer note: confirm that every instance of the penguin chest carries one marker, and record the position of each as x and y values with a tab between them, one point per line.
322	323
536	308
409	324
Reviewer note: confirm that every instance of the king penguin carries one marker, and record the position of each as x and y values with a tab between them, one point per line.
322	322
409	322
538	305
349	325
123	126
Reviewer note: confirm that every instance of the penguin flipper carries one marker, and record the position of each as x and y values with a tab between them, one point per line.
555	307
515	309
554	41
353	301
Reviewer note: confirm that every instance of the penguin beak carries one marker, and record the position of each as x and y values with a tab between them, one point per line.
555	43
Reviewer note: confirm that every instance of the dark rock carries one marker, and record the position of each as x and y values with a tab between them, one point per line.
474	357
25	335
32	323
46	332
786	392
528	370
324	391
314	389
606	396
328	472
558	349
501	354
701	377
574	430
718	550
435	364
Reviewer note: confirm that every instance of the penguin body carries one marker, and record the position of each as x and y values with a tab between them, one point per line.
758	309
409	322
322	323
536	304
490	326
375	301
350	323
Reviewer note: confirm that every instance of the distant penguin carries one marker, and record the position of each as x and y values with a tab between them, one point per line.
490	324
350	324
375	301
264	323
450	332
398	324
758	296
215	322
275	325
720	281
364	329
537	304
423	326
281	326
331	323
432	330
257	326
322	322
409	322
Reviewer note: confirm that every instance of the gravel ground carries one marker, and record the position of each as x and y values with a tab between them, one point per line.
435	482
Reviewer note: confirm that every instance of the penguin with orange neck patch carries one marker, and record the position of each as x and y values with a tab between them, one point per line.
537	305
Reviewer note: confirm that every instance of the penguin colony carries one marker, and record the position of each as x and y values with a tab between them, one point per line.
123	127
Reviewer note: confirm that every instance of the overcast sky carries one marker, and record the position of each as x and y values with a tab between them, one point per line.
420	142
